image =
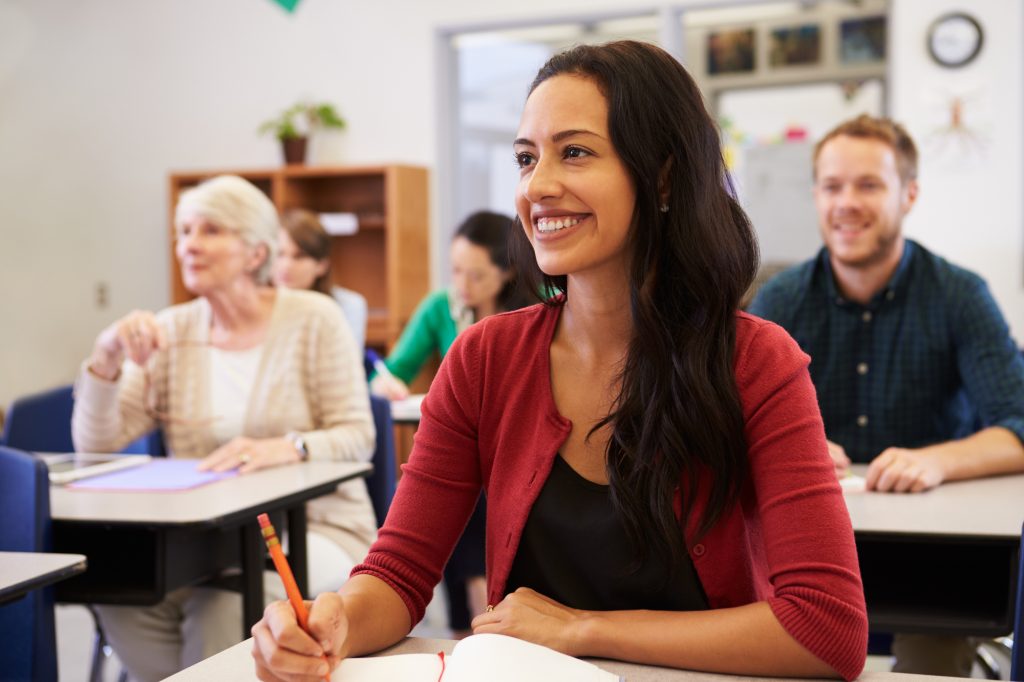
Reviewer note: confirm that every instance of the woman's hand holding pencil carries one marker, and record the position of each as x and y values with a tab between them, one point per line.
283	651
297	638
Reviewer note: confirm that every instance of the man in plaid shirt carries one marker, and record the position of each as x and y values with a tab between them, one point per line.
913	362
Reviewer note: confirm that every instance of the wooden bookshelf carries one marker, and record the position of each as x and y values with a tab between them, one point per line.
386	260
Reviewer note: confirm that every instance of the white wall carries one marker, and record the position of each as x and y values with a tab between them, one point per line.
99	100
970	208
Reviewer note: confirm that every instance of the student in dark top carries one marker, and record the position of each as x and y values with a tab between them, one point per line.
638	440
910	353
913	363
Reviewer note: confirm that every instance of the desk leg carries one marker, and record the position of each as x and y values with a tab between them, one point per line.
297	557
252	575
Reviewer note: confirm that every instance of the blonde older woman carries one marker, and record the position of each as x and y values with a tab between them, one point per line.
245	376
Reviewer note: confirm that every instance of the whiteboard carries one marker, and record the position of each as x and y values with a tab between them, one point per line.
773	174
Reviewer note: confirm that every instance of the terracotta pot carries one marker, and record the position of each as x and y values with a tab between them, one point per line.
294	150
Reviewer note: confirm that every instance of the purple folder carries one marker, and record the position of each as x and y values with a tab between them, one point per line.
155	476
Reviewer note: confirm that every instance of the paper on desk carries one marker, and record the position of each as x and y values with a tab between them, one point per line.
407	409
853	484
158	475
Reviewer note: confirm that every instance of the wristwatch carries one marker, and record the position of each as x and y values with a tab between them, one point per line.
299	443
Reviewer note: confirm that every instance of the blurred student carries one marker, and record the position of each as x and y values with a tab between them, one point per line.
230	379
304	262
483	283
913	363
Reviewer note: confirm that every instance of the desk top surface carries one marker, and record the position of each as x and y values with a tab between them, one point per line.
24	571
989	507
213	504
235	665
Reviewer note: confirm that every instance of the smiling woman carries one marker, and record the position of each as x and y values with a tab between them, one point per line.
658	484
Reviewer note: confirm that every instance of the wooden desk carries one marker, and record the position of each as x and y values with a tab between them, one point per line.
140	546
22	572
943	561
235	665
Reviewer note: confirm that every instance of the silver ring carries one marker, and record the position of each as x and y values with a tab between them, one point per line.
244	458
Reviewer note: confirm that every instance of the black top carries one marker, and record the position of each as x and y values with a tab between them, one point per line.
574	549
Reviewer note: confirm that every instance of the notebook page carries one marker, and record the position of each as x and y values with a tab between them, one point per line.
157	475
405	667
497	658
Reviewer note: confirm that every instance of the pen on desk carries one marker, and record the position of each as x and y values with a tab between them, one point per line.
285	571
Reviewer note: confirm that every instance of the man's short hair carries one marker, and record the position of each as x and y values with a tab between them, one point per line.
884	130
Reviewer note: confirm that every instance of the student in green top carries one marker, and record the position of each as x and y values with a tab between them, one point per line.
483	283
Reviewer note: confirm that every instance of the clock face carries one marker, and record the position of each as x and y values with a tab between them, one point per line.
954	39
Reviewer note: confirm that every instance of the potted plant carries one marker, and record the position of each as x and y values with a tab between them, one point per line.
294	125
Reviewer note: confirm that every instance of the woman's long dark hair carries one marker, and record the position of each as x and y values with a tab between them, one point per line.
492	232
678	410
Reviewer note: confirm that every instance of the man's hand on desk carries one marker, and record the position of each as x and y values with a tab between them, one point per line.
283	651
250	454
902	470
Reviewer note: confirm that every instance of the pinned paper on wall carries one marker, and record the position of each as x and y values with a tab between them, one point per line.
289	5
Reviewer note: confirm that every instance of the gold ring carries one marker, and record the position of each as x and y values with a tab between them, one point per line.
490	607
244	458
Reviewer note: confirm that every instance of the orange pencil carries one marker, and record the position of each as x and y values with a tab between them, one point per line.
285	571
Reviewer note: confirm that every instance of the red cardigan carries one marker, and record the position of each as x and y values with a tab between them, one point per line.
490	421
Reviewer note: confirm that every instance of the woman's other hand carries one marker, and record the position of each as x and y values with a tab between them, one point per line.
135	336
529	615
283	651
389	387
250	454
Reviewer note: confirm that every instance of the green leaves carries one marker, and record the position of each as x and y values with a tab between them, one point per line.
301	119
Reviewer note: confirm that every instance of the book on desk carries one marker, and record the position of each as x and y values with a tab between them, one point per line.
496	658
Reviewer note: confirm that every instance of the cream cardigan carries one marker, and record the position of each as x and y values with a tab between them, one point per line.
310	379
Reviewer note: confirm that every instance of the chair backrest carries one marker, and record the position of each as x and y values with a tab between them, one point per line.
29	650
1017	656
381	483
42	423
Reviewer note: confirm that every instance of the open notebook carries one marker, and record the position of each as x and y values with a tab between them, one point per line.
495	658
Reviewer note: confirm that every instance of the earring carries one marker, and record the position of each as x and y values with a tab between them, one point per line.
664	208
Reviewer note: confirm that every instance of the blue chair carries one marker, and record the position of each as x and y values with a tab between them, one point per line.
381	483
1017	657
29	650
42	423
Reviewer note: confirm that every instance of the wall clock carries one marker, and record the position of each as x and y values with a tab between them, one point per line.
955	39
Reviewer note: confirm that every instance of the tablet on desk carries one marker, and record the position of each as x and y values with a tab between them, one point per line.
68	467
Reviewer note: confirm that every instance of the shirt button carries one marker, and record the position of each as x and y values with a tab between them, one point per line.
866	316
889	295
862	368
862	420
698	550
839	300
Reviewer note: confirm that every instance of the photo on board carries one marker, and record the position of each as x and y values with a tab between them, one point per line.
862	40
794	45
731	51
